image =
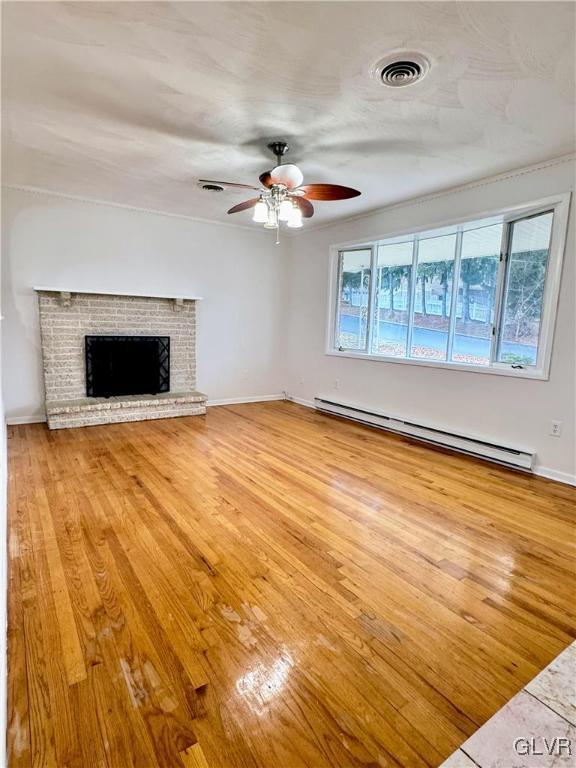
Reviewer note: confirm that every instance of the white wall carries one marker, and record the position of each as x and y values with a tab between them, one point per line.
506	410
262	324
53	241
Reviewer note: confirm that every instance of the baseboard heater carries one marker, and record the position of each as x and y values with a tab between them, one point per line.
473	446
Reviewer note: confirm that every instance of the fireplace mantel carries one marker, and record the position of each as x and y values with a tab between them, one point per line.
66	294
136	294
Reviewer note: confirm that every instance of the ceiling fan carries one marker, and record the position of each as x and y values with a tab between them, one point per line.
283	197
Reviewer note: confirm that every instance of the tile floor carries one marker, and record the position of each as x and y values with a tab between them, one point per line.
536	729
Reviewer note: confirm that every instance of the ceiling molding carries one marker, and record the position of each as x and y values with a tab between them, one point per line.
125	206
412	201
421	199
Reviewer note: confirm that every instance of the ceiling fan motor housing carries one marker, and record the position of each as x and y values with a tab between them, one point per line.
279	149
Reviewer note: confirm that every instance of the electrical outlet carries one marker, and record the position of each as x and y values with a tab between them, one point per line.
301	380
336	383
556	428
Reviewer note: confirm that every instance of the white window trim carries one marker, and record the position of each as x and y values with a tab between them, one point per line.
560	204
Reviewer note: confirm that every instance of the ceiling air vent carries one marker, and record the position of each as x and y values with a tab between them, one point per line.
212	188
401	69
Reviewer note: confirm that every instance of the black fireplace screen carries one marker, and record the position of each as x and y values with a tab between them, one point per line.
127	365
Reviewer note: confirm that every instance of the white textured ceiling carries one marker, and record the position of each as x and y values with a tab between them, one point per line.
131	102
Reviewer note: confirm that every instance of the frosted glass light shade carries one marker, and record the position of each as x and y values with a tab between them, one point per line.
295	220
260	212
289	175
285	210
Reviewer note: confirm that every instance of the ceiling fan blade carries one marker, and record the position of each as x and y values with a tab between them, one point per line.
266	179
231	184
328	192
305	206
244	206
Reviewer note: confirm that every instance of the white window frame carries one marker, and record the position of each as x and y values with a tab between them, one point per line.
371	291
559	204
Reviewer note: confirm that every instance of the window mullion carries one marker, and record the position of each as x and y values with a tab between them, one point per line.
411	303
501	282
336	325
371	296
454	296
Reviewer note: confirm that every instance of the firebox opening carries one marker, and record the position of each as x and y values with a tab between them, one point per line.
127	365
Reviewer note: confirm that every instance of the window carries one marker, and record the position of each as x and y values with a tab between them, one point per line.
478	296
433	297
394	270
524	292
477	290
354	293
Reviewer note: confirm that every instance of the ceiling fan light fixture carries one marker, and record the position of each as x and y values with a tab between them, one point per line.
289	175
285	210
282	199
272	219
295	219
260	212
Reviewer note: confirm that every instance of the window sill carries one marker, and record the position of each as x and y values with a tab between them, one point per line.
525	373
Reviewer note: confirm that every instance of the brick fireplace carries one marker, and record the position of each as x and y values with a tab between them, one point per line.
68	317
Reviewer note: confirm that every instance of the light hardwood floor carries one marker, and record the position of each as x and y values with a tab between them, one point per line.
267	586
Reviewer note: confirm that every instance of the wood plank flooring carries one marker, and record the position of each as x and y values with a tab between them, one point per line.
269	587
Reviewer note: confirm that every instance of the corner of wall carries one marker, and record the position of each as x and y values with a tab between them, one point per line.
3	569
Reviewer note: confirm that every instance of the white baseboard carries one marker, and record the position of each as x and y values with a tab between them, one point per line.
554	474
300	401
251	399
550	474
12	421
